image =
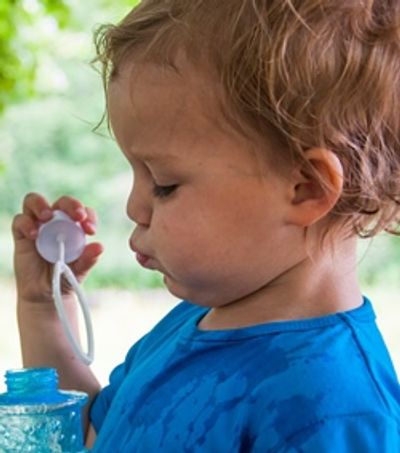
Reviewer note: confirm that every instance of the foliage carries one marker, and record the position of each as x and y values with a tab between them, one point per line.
47	140
18	43
30	28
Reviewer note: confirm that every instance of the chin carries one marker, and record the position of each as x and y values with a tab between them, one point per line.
184	293
175	289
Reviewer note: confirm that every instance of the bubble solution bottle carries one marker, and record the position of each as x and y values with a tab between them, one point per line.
36	417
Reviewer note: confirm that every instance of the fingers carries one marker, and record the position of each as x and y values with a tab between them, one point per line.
88	259
90	223
71	207
75	209
24	227
37	207
37	210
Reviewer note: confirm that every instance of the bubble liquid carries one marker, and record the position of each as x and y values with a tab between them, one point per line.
36	417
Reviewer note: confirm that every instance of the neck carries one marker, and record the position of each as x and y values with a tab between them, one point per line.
311	288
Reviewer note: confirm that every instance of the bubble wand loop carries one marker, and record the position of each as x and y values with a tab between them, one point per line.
61	241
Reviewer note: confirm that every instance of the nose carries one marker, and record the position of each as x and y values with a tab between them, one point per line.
139	206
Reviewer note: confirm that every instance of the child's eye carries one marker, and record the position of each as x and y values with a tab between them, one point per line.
163	191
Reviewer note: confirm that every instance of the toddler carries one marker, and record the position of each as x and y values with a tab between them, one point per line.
264	138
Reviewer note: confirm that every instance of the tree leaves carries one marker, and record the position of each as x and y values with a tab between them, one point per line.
18	63
24	43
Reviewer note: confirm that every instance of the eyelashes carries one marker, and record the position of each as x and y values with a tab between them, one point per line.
163	191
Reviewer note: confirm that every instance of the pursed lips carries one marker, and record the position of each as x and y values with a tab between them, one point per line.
143	259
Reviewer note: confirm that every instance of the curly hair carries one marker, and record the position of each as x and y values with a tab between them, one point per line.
319	73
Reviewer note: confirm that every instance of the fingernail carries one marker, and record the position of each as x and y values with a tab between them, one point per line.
46	214
90	226
33	233
80	212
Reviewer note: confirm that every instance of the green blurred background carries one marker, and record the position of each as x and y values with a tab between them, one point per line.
50	101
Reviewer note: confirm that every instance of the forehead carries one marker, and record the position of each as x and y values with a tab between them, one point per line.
157	114
159	96
156	111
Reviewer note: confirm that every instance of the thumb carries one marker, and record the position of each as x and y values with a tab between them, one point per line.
87	260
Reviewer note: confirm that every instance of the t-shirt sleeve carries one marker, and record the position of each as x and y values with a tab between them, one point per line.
367	433
103	400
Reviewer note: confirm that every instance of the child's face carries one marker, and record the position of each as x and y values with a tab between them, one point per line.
209	212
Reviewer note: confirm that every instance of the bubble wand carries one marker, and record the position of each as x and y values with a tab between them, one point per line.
61	241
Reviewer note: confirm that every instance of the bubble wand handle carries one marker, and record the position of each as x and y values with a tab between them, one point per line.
62	240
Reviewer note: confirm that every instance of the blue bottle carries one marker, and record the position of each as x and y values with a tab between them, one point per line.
36	417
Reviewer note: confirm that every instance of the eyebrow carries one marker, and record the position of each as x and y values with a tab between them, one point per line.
151	157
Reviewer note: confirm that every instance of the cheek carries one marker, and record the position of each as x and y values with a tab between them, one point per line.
216	255
188	240
219	223
184	236
179	232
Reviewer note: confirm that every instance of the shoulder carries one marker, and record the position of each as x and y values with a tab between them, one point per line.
335	379
346	433
330	372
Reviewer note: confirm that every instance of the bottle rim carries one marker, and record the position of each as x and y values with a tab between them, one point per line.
74	398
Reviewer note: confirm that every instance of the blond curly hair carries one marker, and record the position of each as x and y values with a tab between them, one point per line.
319	73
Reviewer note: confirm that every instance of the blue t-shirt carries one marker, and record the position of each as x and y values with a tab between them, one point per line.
316	385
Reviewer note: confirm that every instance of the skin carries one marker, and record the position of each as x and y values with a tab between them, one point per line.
226	229
226	254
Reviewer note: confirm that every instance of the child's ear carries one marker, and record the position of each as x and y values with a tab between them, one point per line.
314	193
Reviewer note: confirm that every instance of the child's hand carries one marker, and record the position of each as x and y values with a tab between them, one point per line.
33	274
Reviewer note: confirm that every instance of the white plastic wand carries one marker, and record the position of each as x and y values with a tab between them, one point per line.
61	241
